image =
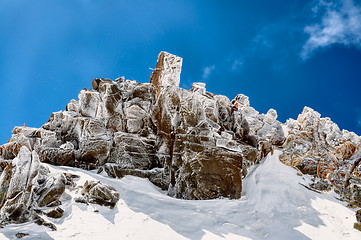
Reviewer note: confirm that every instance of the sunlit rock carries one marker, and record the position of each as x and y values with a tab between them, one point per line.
27	184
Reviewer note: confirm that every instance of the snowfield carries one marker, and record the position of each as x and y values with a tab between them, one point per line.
274	205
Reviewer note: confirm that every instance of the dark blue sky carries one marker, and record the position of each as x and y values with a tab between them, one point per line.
283	54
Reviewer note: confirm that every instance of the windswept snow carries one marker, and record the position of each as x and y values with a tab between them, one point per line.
275	206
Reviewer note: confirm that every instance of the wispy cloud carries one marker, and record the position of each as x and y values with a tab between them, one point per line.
207	71
340	23
237	65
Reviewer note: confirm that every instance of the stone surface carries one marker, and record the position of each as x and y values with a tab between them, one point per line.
195	144
26	184
358	216
316	146
54	213
98	193
357	226
192	143
21	235
167	71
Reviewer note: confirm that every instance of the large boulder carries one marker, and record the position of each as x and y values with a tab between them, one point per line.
98	193
27	184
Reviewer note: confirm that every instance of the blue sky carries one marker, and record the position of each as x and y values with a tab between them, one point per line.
283	54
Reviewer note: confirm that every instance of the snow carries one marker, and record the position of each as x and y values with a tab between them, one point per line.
274	206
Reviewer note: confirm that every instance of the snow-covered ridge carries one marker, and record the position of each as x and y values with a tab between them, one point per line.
275	206
192	144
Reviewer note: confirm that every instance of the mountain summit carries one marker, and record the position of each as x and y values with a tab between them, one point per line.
192	144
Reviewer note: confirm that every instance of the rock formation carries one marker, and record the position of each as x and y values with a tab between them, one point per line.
192	143
26	184
195	144
316	146
98	193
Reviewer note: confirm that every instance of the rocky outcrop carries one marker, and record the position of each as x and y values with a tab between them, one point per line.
316	146
27	184
195	144
192	143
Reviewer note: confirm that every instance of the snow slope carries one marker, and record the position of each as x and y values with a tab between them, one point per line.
275	206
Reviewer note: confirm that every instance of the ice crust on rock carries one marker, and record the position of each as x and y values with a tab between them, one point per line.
316	146
192	143
167	71
98	193
195	144
26	184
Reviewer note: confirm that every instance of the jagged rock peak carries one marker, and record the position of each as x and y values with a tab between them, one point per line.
316	146
192	143
195	144
167	71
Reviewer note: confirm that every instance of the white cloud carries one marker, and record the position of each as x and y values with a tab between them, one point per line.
340	23
236	65
207	71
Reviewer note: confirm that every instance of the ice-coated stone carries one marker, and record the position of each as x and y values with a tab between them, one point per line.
271	117
54	213
196	144
22	136
167	71
132	151
200	153
316	146
73	106
99	193
241	100
27	184
199	88
57	156
89	101
97	82
95	151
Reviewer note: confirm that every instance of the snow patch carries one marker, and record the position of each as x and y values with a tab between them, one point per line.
275	206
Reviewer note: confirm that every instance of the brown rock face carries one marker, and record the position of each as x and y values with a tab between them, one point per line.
167	71
26	184
317	147
201	156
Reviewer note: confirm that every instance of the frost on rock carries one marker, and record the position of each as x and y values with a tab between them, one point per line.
98	193
195	144
316	146
192	143
167	71
26	184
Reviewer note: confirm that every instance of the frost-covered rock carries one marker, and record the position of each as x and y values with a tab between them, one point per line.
316	146
260	127
27	184
195	144
98	193
191	143
167	71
